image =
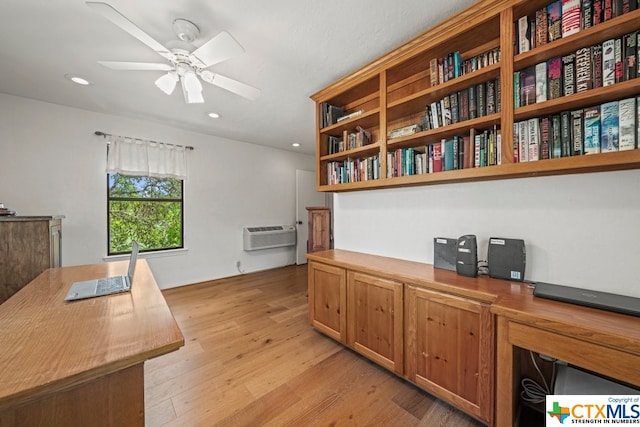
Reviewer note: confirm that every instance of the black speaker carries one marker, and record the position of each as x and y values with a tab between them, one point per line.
506	258
467	256
444	253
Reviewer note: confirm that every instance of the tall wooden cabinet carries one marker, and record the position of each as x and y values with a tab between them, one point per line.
395	90
28	246
319	229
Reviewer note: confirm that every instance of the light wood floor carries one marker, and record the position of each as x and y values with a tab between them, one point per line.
251	359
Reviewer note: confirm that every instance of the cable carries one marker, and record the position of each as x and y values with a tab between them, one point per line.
533	392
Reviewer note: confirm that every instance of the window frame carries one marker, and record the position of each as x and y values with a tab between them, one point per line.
144	199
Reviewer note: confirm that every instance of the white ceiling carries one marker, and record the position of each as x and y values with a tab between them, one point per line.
293	49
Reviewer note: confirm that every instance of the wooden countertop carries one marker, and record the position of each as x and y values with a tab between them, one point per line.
513	300
614	330
48	345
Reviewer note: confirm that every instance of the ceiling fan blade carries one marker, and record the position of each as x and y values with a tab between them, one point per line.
218	49
135	66
231	85
121	21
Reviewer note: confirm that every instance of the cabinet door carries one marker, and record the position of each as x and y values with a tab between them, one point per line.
450	349
374	319
327	299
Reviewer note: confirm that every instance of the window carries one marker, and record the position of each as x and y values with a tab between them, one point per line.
146	209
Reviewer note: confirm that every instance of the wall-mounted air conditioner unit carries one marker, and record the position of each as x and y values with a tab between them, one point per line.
272	236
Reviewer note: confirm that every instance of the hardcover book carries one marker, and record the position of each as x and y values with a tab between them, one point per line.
630	56
476	149
523	141
523	35
569	74
516	89
541	82
544	138
566	141
607	10
554	70
609	127
570	17
433	71
473	103
587	14
578	134
481	97
463	108
608	62
556	137
596	62
498	95
446	111
528	86
592	130
448	155
437	157
618	60
516	144
491	97
597	12
541	26
554	20
627	123
533	126
453	102
583	70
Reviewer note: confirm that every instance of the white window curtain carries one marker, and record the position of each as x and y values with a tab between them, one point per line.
136	157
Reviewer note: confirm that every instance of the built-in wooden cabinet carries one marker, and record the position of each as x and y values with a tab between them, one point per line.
319	229
327	293
375	319
450	348
394	90
28	246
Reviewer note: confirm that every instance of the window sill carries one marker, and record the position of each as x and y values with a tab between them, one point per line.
155	254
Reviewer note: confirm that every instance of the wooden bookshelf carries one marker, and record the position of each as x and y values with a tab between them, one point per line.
395	89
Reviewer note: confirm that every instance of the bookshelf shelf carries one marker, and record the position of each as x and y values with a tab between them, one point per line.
366	150
396	89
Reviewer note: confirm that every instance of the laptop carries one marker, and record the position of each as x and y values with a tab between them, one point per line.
105	285
602	300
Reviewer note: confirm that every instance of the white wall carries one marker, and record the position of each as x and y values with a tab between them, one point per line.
52	163
579	230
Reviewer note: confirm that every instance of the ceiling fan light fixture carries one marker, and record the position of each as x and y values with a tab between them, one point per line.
167	82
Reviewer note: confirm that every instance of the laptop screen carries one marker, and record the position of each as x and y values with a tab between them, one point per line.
132	261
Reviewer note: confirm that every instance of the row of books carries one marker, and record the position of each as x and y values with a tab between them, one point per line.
353	170
478	149
331	114
452	65
562	18
612	126
349	140
613	61
476	101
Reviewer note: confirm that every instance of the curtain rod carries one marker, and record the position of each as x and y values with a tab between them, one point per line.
99	133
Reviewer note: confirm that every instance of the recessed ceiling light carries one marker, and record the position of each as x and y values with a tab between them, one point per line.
214	115
77	80
295	144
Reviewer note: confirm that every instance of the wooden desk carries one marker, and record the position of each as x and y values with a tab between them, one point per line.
600	341
81	363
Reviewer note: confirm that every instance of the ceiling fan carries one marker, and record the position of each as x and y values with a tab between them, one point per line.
186	62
